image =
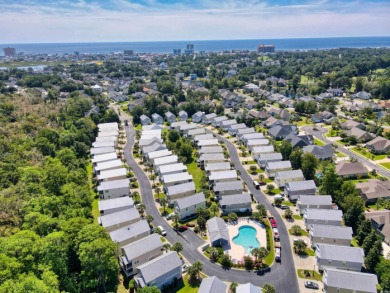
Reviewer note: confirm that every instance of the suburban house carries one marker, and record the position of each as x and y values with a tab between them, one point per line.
211	150
114	205
149	141
236	203
196	131
185	128
111	175
103	144
257	151
380	221
252	143
119	219
225	125
227	188
334	235
207	119
233	129
262	115
313	202
222	176
349	124
145	120
152	127
165	161
281	132
170	117
171	169
211	158
248	288
299	141
178	191
242	131
212	285
101	151
197	117
106	138
157	119
130	233
199	137
218	232
272	122
208	142
272	167
351	169
363	95
322	217
173	179
249	136
263	159
108	165
161	271
186	207
283	177
321	152
213	167
339	257
152	156
154	147
348	281
293	189
373	189
379	145
177	125
216	121
114	189
140	252
361	135
183	116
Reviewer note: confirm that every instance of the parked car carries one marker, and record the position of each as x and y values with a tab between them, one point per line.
162	230
256	184
182	228
311	285
284	207
169	216
185	267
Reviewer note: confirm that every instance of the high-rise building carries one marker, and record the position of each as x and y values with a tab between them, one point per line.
176	51
190	49
9	52
128	52
265	48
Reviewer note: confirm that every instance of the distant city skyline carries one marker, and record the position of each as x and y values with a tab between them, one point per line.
47	21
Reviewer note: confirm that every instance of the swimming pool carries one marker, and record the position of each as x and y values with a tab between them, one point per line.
247	238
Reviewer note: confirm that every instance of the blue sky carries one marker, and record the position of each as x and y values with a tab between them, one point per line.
31	21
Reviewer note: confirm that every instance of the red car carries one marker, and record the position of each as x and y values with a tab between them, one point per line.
273	224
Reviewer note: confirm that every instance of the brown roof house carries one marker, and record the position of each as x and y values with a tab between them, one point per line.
361	135
380	221
351	169
373	189
351	124
379	145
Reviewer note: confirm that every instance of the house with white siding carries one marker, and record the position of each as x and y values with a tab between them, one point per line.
114	189
334	235
339	257
186	207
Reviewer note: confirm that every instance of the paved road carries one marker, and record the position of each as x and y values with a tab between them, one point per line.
282	276
319	134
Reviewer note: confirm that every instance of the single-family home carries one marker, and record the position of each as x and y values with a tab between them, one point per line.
114	205
380	221
210	158
102	144
313	202
177	125
216	121
283	177
173	179
233	129
322	217
145	120
165	161
207	119
326	234
212	285
339	257
183	116
106	138
140	252
185	128
299	140
236	203
171	169
335	281
351	169
152	156
272	122
211	150
227	188
222	176
114	189
225	125
379	145
199	137
257	151
161	271
262	115
361	135
111	175
197	117
321	152
305	187
154	147
248	288
156	118
119	219
108	165
197	131
363	95
101	151
263	159
242	131
213	167
130	233
179	191
281	132
351	124
218	232
373	189
272	167
250	136
252	143
148	141
186	207
208	142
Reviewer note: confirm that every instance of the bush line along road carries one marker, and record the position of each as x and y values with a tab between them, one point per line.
282	275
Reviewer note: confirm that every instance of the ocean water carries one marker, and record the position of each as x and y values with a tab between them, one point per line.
209	46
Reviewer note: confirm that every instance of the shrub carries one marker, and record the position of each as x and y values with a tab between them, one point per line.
191	224
197	229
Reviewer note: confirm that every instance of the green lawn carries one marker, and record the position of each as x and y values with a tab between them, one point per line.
385	165
95	208
168	210
303	122
318	142
251	162
297	217
196	173
138	127
310	252
364	152
184	286
317	276
288	203
303	233
340	155
354	243
269	259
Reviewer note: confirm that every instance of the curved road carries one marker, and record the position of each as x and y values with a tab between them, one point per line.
282	276
319	134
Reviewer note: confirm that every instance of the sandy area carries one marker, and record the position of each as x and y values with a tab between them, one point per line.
237	251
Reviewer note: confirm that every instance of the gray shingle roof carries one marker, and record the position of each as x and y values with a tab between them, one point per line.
191	200
361	282
231	185
103	150
212	285
104	157
270	156
119	217
323	214
244	131
159	266
340	253
172	168
289	174
115	184
171	178
142	246
278	165
301	185
248	288
326	231
252	135
321	152
112	173
108	164
236	199
315	199
165	160
208	157
130	231
263	149
217	166
180	188
220	175
113	203
217	229
211	150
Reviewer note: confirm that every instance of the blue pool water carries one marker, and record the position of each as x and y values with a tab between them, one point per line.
247	238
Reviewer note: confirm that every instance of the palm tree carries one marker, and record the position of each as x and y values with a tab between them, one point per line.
233	286
163	203
232	217
261	177
149	219
268	288
263	252
157	190
153	177
141	208
136	196
214	254
261	209
166	247
300	246
175	219
288	214
177	246
296	230
195	269
256	254
214	209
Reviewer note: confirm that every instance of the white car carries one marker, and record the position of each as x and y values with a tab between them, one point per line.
162	230
185	267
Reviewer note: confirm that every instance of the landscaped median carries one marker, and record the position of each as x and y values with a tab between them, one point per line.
309	275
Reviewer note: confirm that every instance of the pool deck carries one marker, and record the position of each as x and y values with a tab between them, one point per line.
237	252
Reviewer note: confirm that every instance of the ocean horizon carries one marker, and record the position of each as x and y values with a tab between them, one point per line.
201	45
